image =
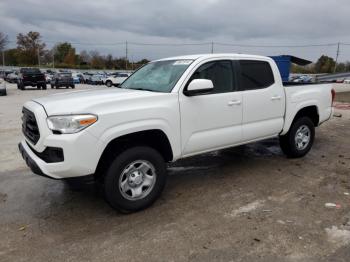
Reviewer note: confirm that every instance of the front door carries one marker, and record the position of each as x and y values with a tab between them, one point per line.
212	121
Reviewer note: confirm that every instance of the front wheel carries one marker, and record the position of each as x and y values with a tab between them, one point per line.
299	139
109	83
135	179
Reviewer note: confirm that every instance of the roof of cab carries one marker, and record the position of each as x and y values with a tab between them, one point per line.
206	56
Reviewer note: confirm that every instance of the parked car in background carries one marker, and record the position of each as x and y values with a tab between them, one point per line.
48	77
62	79
31	77
12	77
76	78
2	87
303	79
95	80
346	81
116	79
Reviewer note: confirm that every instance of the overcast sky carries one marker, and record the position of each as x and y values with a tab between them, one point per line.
96	24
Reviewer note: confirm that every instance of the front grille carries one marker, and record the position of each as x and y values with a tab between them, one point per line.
29	126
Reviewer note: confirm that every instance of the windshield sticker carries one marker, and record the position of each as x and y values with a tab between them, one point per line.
183	62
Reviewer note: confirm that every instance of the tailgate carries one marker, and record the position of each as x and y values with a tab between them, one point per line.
33	77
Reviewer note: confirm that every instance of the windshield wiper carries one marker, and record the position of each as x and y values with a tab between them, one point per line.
142	89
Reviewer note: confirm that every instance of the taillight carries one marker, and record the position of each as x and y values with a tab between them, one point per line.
333	95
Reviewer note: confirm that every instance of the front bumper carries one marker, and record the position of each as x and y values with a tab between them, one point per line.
30	162
81	150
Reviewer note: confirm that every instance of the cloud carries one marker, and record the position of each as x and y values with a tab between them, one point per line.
276	22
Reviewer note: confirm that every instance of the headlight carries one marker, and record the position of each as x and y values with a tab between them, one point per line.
70	124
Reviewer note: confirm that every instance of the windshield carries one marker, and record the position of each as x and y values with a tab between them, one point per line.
160	76
30	71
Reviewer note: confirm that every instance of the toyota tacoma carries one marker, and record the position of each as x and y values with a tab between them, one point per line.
169	109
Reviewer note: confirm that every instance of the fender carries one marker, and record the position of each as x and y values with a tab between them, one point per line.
293	109
138	126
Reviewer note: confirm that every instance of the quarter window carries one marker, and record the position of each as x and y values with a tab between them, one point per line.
255	74
219	72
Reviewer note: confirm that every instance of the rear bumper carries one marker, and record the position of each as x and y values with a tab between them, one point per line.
33	83
64	83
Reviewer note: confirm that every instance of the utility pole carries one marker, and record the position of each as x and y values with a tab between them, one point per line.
126	55
3	58
38	56
336	58
212	47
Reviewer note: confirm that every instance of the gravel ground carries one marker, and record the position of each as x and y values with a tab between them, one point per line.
243	204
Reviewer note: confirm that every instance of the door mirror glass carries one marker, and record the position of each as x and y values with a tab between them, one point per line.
199	86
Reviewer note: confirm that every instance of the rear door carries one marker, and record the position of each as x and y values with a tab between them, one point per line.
212	121
263	100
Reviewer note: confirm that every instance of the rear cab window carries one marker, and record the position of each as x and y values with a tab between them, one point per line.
255	74
30	71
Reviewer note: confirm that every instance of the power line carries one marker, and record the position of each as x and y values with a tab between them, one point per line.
277	46
192	44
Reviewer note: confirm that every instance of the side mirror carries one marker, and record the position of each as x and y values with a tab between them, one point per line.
199	86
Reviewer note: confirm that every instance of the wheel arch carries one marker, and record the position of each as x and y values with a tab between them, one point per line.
311	111
154	138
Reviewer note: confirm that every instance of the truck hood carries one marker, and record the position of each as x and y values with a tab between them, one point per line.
88	101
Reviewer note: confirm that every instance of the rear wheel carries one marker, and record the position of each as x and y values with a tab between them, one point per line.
299	139
135	179
52	86
72	86
44	87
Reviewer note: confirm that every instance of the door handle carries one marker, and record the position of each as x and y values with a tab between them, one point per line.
234	102
276	98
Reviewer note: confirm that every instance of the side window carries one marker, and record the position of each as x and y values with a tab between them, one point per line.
219	72
255	74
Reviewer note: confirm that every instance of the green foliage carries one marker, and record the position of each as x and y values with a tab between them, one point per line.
11	57
325	64
64	53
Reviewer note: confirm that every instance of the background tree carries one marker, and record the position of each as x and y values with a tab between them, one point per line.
97	61
11	57
29	47
324	64
61	50
3	41
70	58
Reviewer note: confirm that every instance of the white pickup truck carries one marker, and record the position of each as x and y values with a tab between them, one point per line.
169	109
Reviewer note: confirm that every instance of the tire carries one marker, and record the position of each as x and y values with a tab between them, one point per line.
109	83
52	86
21	86
299	139
138	193
38	87
72	86
44	86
